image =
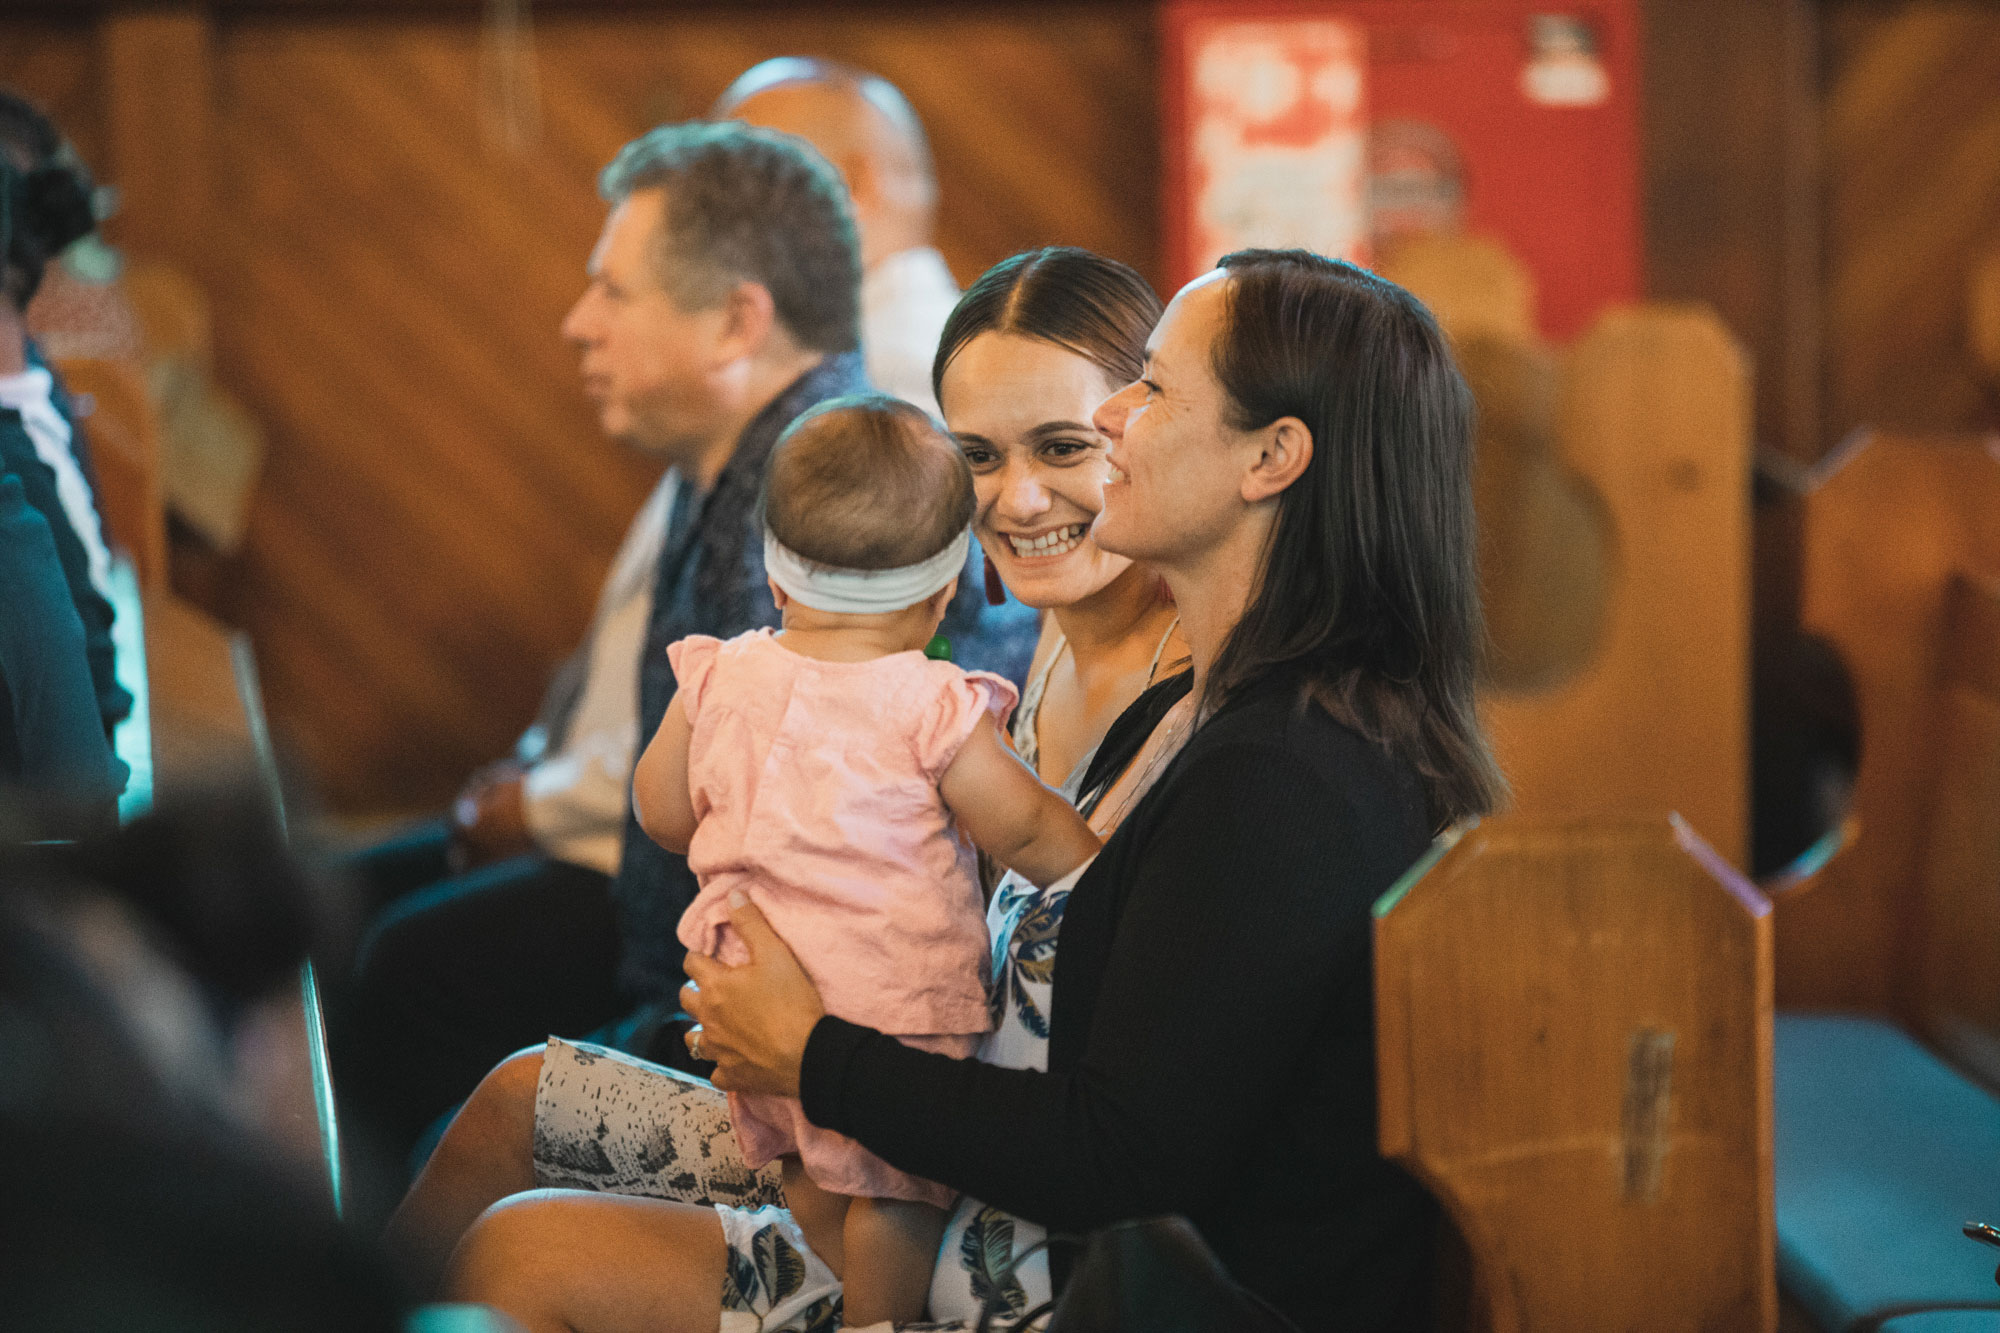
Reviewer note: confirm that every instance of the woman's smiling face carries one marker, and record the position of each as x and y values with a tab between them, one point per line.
1021	409
1176	466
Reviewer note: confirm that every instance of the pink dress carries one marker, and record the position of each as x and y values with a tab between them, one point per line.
815	784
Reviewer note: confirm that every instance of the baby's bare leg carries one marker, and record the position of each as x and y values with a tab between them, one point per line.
821	1214
893	1244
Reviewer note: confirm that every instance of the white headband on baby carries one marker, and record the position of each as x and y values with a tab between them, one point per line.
862	591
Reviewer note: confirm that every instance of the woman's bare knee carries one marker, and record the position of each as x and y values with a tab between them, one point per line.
486	1154
505	1098
501	1252
568	1259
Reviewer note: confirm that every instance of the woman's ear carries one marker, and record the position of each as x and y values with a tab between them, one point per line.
777	594
1285	448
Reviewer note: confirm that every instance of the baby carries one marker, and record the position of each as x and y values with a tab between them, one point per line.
832	772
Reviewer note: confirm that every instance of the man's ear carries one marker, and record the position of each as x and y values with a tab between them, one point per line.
1285	447
749	317
863	181
777	594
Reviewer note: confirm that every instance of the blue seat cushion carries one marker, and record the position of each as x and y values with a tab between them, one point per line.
1945	1321
1883	1153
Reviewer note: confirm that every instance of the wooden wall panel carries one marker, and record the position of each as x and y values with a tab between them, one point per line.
437	507
55	65
1732	212
1912	143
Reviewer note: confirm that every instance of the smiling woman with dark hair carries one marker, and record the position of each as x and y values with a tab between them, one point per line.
1295	460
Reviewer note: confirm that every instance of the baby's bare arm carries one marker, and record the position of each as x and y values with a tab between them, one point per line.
660	795
1005	809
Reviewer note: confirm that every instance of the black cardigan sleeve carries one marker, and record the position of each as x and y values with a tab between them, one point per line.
1247	918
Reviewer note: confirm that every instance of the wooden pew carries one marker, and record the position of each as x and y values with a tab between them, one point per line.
1655	414
1641	701
1982	314
201	708
197	699
116	414
1574	1053
1957	983
198	714
1473	284
1888	522
1890	957
207	710
1546	544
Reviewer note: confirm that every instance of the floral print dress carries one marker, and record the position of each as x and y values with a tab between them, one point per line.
980	1257
610	1122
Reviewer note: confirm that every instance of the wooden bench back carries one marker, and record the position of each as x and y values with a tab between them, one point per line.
118	417
1618	569
1656	416
1982	313
1957	986
1574	1051
1888	524
207	711
199	719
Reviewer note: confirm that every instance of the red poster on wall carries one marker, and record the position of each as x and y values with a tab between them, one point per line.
1341	125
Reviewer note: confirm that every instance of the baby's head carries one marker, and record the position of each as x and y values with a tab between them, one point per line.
867	484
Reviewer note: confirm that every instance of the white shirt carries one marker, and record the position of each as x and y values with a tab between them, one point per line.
905	300
576	794
31	393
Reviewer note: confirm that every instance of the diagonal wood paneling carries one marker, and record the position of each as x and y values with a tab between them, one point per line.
55	65
437	508
1912	145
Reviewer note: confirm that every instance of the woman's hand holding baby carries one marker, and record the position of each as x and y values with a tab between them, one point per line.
753	1019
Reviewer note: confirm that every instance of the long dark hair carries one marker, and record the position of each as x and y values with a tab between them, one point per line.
45	198
1370	584
1096	307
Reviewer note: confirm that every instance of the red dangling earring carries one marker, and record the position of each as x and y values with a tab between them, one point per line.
996	591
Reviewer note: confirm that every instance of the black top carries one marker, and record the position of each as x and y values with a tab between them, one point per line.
1212	1039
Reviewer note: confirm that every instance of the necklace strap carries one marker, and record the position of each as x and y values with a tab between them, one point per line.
1153	668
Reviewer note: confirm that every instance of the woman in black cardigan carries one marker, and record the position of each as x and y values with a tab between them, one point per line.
1296	462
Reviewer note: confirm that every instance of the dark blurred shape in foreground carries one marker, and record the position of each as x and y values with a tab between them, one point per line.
148	1008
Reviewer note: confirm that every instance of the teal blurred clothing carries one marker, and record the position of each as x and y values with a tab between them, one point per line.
18	457
52	737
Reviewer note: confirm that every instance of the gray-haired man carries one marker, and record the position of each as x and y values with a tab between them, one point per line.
723	301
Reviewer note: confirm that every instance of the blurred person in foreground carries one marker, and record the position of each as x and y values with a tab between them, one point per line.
723	302
150	1033
866	128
